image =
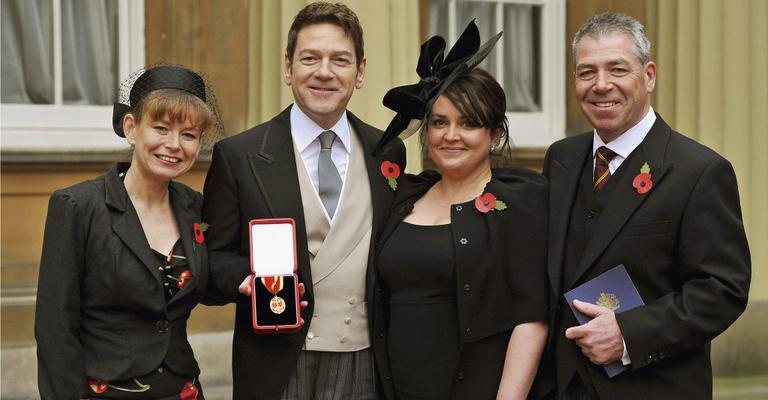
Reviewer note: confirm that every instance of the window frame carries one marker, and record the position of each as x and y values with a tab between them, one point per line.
60	127
536	128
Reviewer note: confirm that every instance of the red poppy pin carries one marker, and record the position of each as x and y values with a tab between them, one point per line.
487	202
184	278
391	171
642	182
189	392
98	386
199	228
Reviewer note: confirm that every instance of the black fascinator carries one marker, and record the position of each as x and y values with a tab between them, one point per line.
412	102
142	82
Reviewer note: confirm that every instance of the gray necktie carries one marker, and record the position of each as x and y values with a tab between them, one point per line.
329	181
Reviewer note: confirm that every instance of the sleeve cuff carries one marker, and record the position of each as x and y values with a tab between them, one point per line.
625	356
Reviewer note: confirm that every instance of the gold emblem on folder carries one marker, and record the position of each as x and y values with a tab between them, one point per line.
608	300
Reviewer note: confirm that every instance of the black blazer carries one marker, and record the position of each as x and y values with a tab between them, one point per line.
684	246
500	269
253	175
101	310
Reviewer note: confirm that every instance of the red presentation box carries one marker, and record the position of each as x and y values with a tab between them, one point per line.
275	283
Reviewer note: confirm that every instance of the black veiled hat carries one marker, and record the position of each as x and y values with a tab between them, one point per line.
154	78
412	102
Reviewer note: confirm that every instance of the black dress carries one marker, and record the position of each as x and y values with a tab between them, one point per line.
446	298
417	266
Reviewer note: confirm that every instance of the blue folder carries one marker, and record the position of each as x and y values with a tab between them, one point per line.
613	289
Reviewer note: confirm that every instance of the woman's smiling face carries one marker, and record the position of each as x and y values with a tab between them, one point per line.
163	149
456	147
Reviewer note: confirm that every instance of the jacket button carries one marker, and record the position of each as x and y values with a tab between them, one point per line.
459	208
591	214
347	321
469	332
381	335
467	287
310	335
460	376
162	326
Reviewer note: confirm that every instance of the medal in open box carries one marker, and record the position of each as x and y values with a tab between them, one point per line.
275	287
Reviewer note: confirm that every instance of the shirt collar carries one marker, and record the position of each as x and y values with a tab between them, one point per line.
305	131
629	140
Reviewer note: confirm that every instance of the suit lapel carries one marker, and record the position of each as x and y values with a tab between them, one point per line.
274	167
625	199
185	218
564	178
126	225
381	193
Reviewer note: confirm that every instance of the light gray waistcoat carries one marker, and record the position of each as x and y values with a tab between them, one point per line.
338	256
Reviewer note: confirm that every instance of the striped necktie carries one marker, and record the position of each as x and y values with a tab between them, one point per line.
603	156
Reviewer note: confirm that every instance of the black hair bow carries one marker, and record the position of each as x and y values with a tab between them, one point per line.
412	102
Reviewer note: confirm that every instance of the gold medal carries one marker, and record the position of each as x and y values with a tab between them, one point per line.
274	284
277	305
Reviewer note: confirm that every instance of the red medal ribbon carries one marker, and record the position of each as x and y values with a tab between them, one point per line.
273	283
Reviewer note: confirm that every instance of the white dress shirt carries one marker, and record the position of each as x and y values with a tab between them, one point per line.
306	135
625	143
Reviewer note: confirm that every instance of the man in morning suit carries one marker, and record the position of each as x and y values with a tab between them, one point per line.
312	163
637	193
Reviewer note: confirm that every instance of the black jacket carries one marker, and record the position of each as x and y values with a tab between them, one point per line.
684	246
101	311
253	175
500	267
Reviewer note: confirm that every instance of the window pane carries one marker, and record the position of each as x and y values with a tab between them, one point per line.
438	19
27	51
89	51
485	15
466	11
522	57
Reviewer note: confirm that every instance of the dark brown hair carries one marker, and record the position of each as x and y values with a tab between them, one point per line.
322	12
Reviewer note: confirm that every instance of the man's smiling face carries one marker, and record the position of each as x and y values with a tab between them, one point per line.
323	72
612	85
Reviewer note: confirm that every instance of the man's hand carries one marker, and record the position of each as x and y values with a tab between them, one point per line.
245	289
600	339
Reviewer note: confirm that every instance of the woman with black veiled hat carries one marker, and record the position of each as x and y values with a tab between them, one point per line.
124	258
460	290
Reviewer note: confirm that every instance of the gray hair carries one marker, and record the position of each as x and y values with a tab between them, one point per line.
612	22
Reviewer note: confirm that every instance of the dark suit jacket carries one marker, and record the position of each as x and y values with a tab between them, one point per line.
101	311
684	246
500	262
253	175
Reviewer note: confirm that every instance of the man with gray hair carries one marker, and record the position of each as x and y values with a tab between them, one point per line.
634	192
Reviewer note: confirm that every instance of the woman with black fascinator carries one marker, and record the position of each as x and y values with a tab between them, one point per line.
460	290
124	258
